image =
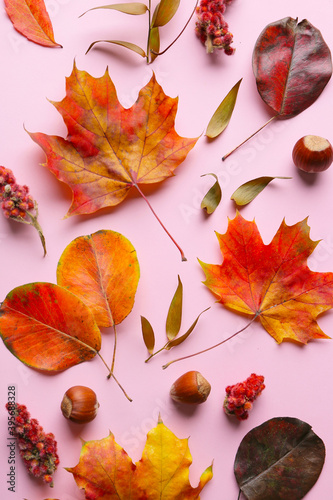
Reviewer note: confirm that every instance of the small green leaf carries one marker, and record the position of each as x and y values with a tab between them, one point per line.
248	191
148	334
128	45
174	317
221	118
180	340
164	12
133	8
213	197
154	43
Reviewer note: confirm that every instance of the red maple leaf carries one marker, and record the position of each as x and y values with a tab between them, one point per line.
272	282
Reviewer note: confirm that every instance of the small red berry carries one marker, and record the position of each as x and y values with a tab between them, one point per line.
240	397
37	449
210	25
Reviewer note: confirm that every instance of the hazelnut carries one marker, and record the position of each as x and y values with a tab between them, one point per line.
191	388
312	154
79	404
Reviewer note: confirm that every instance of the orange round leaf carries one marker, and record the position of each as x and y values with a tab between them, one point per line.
103	270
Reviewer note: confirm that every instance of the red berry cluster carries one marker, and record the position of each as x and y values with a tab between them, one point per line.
239	397
16	200
211	27
37	449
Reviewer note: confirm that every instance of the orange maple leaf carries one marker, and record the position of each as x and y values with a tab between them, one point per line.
106	471
272	282
110	149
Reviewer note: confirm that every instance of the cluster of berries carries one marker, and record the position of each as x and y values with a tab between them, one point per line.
239	397
37	449
16	200
17	203
211	27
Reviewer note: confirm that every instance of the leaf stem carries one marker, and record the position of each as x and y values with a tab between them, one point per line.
178	36
239	494
114	377
34	222
211	347
114	351
149	29
156	352
241	144
163	226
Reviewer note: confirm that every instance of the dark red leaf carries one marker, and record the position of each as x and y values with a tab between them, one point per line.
292	65
279	460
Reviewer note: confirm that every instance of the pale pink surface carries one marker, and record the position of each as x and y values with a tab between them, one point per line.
298	379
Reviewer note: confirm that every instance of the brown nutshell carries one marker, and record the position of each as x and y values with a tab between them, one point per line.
190	388
312	154
79	404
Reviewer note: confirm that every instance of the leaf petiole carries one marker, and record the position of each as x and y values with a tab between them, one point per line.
161	223
111	374
212	347
114	351
149	29
255	133
156	352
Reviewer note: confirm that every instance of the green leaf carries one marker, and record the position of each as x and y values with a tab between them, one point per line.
133	8
148	334
180	340
249	190
154	43
164	12
174	317
280	459
128	45
213	197
221	118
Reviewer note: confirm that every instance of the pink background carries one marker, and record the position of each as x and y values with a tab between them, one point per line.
298	379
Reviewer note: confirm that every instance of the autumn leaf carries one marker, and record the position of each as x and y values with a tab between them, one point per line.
31	19
292	65
222	116
280	459
213	197
148	334
174	317
105	469
122	43
48	327
271	282
246	193
164	12
131	8
101	269
172	325
109	149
